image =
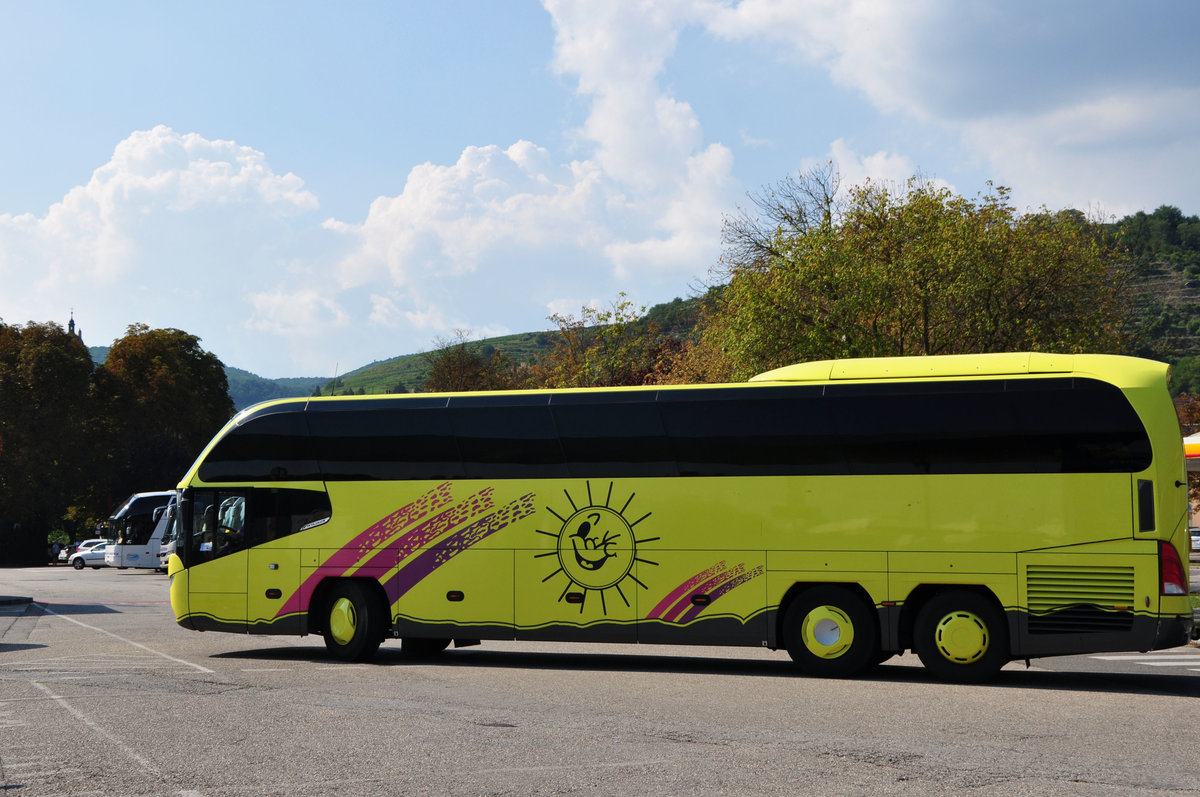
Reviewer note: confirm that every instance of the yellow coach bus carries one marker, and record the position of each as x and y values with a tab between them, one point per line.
973	509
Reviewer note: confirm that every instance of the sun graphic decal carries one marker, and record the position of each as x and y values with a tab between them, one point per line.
596	549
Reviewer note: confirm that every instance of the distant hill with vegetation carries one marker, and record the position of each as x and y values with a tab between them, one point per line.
1165	245
407	373
247	389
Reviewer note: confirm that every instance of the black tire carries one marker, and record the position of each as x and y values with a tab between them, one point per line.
418	648
78	564
353	623
961	636
831	631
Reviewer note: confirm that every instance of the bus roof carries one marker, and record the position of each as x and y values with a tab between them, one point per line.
1122	371
1119	370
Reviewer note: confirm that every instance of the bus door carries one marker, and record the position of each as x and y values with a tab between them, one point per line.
217	559
273	517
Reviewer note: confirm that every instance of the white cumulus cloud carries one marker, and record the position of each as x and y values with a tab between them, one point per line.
639	208
174	230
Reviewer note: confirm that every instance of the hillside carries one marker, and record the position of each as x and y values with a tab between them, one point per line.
1165	247
406	373
246	388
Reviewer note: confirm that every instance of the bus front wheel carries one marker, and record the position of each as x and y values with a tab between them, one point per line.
831	631
353	627
961	636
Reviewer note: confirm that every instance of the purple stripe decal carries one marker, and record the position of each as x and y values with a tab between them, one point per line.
426	562
705	588
736	581
684	588
367	542
433	528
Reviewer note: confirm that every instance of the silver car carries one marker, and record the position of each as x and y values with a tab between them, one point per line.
88	557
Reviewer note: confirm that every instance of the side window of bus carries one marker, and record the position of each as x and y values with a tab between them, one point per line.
276	512
218	524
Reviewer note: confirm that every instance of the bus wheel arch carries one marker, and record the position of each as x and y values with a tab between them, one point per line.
352	615
830	629
960	633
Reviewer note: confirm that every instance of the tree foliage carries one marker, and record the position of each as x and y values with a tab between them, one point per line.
601	348
1187	406
458	364
44	417
74	440
162	398
913	271
1166	236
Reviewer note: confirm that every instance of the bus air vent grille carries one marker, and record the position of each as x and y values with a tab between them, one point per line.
1079	599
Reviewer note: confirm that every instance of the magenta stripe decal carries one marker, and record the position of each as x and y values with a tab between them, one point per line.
704	589
378	534
368	542
684	588
433	528
736	581
430	560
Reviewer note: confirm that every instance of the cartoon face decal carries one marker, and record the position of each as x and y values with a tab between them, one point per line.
595	547
596	550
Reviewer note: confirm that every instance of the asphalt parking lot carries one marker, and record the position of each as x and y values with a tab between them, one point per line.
101	693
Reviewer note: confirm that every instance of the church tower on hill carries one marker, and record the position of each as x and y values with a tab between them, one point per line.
71	328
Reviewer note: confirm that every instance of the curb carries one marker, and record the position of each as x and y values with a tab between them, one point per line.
9	600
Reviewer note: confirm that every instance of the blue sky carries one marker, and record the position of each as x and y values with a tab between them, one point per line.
309	187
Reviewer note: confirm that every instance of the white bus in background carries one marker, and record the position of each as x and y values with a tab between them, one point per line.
170	535
135	531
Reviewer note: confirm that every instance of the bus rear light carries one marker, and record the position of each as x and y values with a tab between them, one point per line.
1172	576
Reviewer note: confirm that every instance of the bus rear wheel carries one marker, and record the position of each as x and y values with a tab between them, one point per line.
353	626
831	631
961	636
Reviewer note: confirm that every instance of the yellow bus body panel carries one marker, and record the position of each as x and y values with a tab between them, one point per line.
716	558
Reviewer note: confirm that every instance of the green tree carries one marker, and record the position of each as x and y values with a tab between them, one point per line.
913	271
162	398
601	347
44	442
459	364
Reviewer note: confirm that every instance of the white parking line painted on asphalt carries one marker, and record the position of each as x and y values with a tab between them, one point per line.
145	765
83	666
1170	663
1167	658
139	645
1148	656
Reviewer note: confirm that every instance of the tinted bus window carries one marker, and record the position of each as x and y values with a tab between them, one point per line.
400	439
269	447
612	435
507	437
997	426
756	432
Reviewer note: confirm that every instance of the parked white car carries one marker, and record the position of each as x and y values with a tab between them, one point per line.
69	550
91	557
